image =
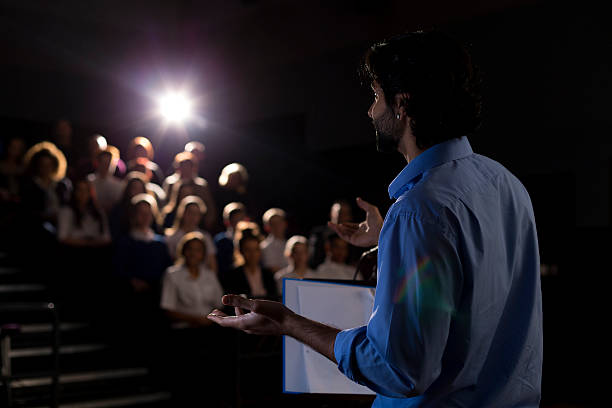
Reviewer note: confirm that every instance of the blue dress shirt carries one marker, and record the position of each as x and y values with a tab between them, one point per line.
457	318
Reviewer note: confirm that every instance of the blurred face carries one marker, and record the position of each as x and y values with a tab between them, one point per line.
143	216
299	255
251	252
341	212
104	162
81	192
135	187
140	151
186	169
63	131
278	225
235	218
338	250
194	253
46	167
15	148
192	216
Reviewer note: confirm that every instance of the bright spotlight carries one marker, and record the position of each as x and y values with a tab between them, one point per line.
175	107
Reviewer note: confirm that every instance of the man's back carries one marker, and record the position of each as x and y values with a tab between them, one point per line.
457	315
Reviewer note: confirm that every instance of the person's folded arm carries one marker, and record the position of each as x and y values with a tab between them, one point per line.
399	352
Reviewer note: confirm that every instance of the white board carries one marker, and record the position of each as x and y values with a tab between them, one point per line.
340	305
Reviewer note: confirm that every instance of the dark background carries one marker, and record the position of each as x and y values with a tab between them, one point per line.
278	89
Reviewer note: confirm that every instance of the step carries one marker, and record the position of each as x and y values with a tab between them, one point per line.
77	377
118	401
46	351
21	287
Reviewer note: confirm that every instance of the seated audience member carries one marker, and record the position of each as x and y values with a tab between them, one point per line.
190	290
12	169
107	187
139	165
249	277
45	188
273	247
62	138
233	213
233	182
189	217
82	223
87	164
296	251
199	151
134	183
340	212
335	266
142	255
141	147
186	170
180	190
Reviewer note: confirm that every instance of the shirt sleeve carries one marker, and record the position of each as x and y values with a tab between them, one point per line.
168	293
399	352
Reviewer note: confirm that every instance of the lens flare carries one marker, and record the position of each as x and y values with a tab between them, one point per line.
175	107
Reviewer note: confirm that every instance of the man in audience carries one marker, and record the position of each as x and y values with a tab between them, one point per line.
335	266
273	247
340	212
233	213
296	252
108	188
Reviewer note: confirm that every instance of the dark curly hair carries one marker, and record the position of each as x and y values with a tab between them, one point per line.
437	73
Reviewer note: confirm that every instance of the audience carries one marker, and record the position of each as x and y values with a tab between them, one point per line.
341	211
249	277
82	223
107	187
190	289
189	217
335	267
12	169
44	189
141	147
135	183
233	213
142	256
140	165
273	247
296	252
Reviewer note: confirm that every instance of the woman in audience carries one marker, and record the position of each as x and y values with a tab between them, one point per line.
249	277
190	289
142	255
140	164
135	183
11	169
44	189
189	216
180	190
82	223
296	252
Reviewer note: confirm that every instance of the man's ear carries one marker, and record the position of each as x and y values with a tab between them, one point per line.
401	99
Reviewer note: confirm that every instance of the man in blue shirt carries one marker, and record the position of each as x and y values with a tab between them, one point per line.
457	317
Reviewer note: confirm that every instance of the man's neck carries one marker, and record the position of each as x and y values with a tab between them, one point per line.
408	147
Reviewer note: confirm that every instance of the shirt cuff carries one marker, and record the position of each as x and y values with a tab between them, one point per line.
343	349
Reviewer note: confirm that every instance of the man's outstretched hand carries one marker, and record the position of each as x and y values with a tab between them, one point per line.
364	234
264	316
272	318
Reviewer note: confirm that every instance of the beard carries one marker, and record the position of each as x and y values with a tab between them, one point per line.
388	132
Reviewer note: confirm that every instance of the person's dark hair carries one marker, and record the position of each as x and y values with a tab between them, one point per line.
91	208
443	86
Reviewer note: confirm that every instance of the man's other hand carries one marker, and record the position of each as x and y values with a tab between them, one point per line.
264	317
364	234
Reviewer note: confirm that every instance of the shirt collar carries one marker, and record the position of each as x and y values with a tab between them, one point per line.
434	156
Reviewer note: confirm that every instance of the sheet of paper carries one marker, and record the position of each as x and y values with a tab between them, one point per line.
338	305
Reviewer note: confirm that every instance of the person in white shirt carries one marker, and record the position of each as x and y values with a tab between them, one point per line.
273	247
108	188
335	266
190	290
296	251
82	223
189	215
